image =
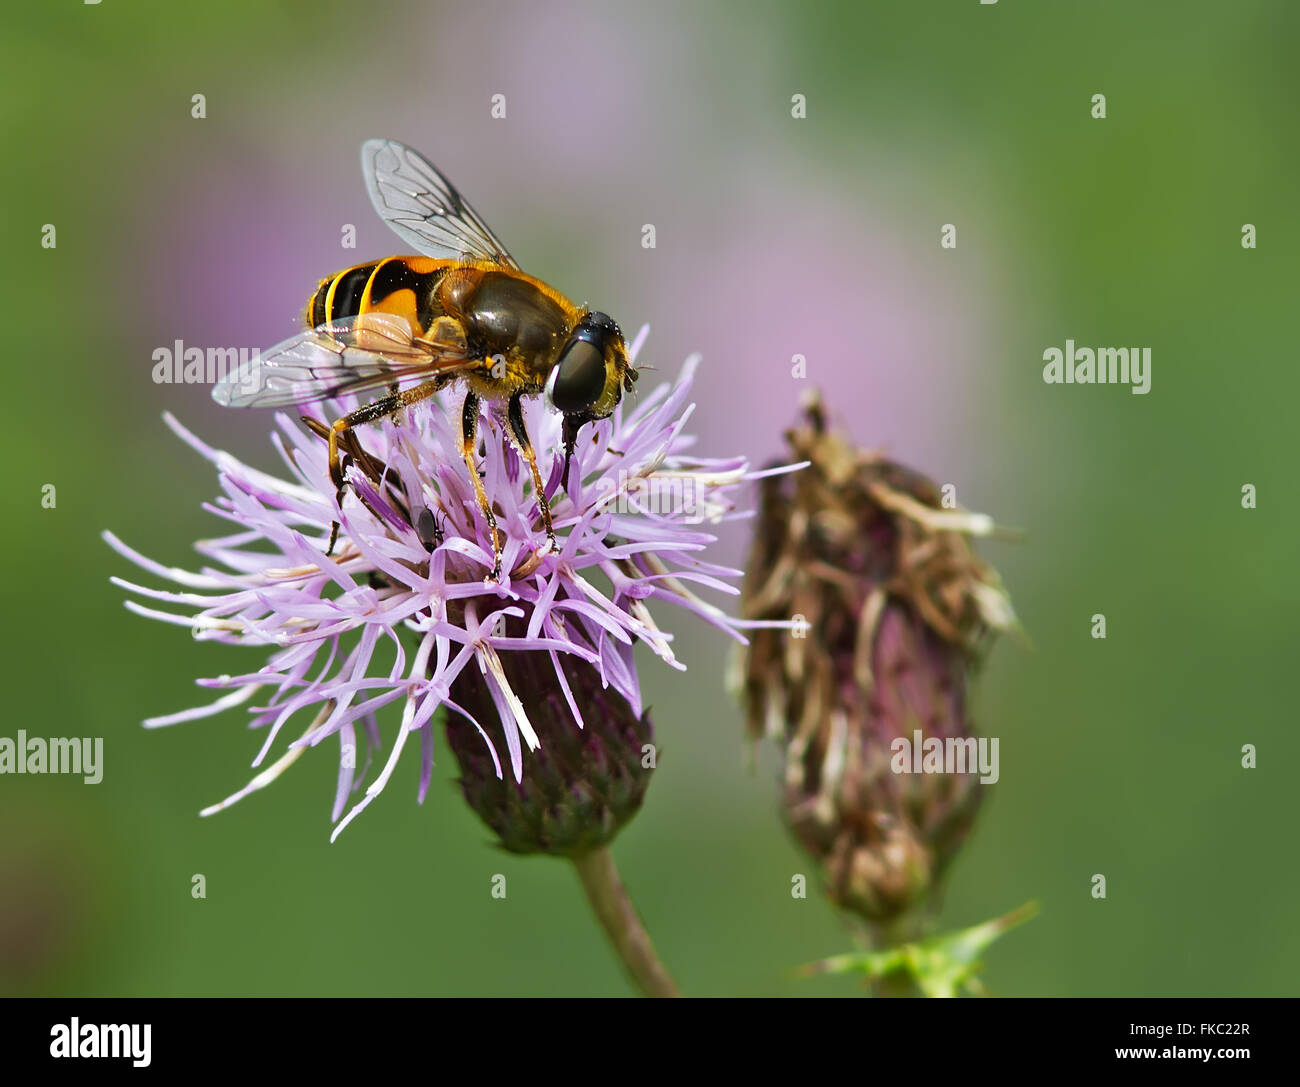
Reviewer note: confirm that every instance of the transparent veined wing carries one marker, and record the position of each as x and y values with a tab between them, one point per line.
368	351
424	208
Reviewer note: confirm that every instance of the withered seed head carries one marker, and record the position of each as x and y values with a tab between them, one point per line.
897	608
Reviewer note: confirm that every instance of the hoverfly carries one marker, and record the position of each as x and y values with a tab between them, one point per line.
463	310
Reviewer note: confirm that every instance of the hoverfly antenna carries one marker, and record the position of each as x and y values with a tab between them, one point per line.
630	378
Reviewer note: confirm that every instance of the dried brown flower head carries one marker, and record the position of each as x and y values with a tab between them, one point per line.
895	608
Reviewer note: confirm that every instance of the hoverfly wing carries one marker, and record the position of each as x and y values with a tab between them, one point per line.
423	207
368	351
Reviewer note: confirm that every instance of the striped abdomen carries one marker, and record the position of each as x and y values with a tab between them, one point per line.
406	286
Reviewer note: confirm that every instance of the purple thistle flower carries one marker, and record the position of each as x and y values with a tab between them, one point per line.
412	555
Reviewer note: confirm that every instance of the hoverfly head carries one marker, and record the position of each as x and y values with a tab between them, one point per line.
588	375
588	378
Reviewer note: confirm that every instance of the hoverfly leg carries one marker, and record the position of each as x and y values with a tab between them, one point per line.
323	432
342	431
516	414
468	429
344	465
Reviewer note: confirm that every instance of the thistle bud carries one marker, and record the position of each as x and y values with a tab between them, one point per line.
583	783
891	609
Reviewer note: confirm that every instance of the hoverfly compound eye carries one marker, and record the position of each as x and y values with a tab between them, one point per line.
579	377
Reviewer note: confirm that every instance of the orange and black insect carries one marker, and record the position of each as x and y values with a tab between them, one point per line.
464	310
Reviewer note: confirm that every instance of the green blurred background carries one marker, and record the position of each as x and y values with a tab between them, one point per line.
775	236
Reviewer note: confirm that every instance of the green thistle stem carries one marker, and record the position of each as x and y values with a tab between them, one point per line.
901	930
610	901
